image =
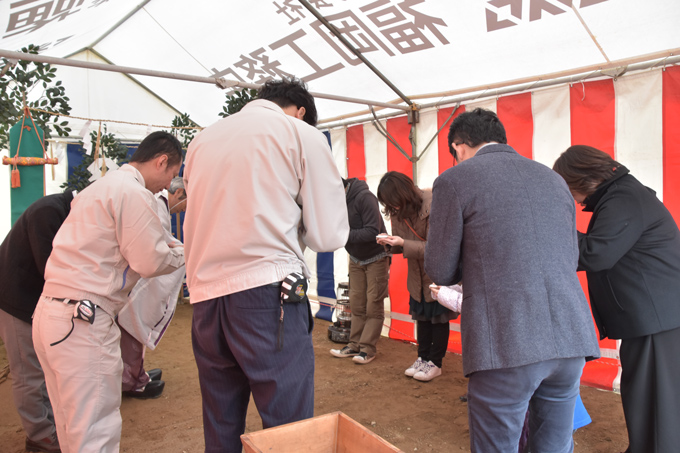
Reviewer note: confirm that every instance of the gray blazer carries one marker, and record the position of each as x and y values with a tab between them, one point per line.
507	226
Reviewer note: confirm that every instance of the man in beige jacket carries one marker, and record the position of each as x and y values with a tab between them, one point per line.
110	239
262	185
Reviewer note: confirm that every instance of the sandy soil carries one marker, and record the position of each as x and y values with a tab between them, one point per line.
413	416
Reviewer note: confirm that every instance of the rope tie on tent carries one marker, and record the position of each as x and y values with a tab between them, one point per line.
26	161
200	128
96	150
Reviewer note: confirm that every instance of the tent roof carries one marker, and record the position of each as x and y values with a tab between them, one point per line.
424	48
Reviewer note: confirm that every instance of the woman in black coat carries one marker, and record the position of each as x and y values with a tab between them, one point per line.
631	255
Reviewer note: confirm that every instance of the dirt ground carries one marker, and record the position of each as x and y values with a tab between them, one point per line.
412	415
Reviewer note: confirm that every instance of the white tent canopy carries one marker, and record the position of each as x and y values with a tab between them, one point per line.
424	48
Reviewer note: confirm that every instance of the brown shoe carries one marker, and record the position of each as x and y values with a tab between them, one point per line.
49	444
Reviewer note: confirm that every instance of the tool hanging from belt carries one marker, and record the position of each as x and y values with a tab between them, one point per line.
293	291
83	309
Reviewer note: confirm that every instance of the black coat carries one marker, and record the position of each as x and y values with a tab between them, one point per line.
24	253
631	255
365	221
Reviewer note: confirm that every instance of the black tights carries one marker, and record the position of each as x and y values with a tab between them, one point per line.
432	341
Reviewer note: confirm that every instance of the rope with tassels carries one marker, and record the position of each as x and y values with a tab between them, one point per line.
29	161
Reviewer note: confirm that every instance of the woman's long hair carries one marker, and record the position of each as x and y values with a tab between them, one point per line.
399	196
584	168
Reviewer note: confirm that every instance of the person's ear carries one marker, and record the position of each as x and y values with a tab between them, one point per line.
301	113
162	161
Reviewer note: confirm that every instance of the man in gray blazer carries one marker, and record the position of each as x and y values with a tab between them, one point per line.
505	226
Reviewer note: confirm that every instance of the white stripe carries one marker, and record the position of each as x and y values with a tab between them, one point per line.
609	353
488	104
639	127
340	267
375	151
428	165
552	124
339	146
60	170
399	317
310	259
616	384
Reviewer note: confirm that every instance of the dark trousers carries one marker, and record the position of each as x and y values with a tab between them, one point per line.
235	344
433	340
498	402
132	353
650	391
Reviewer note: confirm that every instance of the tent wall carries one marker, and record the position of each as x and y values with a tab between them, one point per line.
634	118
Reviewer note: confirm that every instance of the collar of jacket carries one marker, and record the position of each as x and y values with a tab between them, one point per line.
495	148
427	202
591	201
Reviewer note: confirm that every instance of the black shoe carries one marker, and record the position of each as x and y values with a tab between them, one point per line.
49	444
155	374
152	390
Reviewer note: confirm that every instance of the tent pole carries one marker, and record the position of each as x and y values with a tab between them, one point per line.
412	137
666	57
509	87
358	54
110	30
220	82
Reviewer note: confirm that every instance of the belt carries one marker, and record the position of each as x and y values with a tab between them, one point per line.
66	300
63	300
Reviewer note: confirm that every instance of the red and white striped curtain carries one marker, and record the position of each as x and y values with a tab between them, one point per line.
635	118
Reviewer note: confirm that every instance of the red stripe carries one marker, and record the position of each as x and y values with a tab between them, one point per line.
356	159
517	118
600	373
593	115
399	129
445	158
593	123
671	140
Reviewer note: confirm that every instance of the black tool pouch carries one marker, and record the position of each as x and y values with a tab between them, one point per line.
293	291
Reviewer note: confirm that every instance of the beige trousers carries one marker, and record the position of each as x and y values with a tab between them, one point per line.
83	376
367	292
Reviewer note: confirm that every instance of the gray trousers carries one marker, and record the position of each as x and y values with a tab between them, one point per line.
28	381
367	293
498	402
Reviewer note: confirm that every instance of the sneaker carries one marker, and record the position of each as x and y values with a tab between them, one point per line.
363	359
48	444
428	372
344	352
413	369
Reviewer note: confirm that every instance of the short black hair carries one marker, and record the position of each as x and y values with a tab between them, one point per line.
476	127
287	92
156	144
